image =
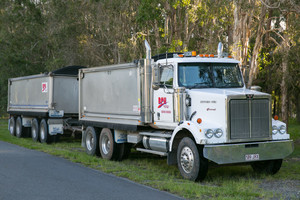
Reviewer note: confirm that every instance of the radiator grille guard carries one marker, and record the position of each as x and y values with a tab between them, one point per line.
249	119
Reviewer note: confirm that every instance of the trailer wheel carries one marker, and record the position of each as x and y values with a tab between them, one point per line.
12	125
43	132
91	141
191	163
35	130
108	148
19	128
267	167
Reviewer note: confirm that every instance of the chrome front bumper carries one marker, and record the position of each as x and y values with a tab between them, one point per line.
240	153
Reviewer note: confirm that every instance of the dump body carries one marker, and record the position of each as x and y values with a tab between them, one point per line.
111	95
37	95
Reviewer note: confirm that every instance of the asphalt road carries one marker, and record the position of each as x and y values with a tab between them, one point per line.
28	174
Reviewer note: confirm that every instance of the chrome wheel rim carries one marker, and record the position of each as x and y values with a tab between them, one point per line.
105	144
187	159
89	141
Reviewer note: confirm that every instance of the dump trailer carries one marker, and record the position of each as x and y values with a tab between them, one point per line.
43	105
190	108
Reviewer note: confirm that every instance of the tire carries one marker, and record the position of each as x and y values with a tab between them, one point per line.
43	132
12	126
127	150
35	128
91	141
270	167
122	151
108	148
19	128
191	163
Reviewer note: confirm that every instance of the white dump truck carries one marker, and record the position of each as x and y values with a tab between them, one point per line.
190	108
43	105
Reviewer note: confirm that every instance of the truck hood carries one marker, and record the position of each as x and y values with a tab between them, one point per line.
225	92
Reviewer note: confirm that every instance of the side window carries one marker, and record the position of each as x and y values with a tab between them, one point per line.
166	77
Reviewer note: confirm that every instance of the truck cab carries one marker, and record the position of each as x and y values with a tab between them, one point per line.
204	100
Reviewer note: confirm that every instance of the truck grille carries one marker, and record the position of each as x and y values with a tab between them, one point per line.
249	118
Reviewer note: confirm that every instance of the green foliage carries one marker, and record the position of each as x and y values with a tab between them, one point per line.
39	36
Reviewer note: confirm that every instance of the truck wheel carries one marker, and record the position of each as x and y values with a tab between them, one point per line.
122	151
12	125
191	163
19	128
108	148
91	141
127	150
43	132
35	130
267	167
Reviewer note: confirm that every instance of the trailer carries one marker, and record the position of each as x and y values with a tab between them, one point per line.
189	108
42	105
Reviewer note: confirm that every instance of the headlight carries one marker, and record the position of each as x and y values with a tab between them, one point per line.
218	133
274	130
209	133
282	129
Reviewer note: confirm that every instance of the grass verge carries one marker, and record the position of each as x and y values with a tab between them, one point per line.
222	182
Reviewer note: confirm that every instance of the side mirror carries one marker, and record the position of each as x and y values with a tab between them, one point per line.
155	77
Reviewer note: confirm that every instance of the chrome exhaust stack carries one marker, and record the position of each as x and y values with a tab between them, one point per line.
147	89
220	49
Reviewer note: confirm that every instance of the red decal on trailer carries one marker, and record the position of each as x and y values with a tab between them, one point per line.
44	87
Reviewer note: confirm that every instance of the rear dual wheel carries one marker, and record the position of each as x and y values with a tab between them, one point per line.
16	128
19	128
103	144
12	125
35	129
43	132
267	167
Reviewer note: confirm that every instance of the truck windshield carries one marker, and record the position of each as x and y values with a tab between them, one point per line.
209	75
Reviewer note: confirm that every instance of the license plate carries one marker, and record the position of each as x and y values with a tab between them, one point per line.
250	157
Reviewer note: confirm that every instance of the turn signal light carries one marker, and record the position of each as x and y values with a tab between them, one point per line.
199	120
276	117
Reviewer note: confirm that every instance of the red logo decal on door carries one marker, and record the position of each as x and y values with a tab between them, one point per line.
162	101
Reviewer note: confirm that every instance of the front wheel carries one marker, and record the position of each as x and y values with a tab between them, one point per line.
267	167
191	163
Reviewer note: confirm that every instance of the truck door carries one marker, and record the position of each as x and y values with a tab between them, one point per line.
163	97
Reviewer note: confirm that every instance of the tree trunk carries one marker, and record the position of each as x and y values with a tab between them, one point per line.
257	46
298	107
284	67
